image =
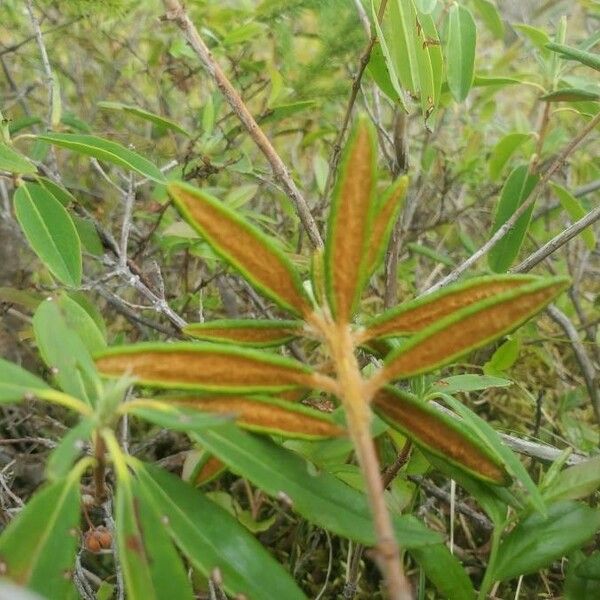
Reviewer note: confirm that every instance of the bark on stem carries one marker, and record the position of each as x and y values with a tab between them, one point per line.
176	13
356	404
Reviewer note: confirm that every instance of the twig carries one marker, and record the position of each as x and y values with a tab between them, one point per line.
176	13
510	223
556	242
129	199
587	368
337	144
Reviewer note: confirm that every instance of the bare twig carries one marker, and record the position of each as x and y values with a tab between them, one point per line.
176	13
510	223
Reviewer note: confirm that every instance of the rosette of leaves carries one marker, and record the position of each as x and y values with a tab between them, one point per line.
229	371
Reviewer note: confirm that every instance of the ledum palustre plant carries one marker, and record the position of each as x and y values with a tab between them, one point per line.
226	373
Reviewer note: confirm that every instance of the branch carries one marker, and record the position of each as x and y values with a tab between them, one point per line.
508	225
176	13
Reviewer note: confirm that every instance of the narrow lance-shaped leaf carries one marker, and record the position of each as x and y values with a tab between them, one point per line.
50	232
14	162
136	111
575	212
415	315
440	434
589	59
16	382
37	548
516	190
243	246
460	56
207	366
212	539
503	150
264	414
469	328
570	95
106	150
348	226
246	332
385	217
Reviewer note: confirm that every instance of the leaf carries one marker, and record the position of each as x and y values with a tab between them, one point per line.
282	111
537	540
60	193
264	414
205	366
151	567
469	383
569	53
246	332
386	214
243	246
575	211
426	6
143	114
503	358
570	95
37	548
316	495
170	416
491	17
211	539
61	459
488	435
69	360
440	434
516	190
16	382
14	162
79	320
445	571
415	315
469	328
50	232
348	225
503	150
538	37
575	482
460	54
105	150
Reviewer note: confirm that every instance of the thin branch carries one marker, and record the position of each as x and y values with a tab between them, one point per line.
510	223
176	13
556	242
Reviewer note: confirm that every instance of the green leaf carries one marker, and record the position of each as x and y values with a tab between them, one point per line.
282	111
37	548
151	567
503	150
538	37
575	211
569	53
538	540
15	382
504	357
468	383
79	320
161	122
575	482
570	95
61	459
352	208
50	232
460	51
491	17
243	246
316	495
246	332
105	150
488	435
206	366
69	360
440	434
211	539
516	190
60	193
171	416
14	162
425	6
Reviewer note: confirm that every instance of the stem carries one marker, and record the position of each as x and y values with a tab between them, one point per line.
487	582
356	404
99	469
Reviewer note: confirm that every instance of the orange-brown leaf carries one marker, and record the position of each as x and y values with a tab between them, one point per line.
349	221
243	246
439	434
415	315
468	329
206	366
268	415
